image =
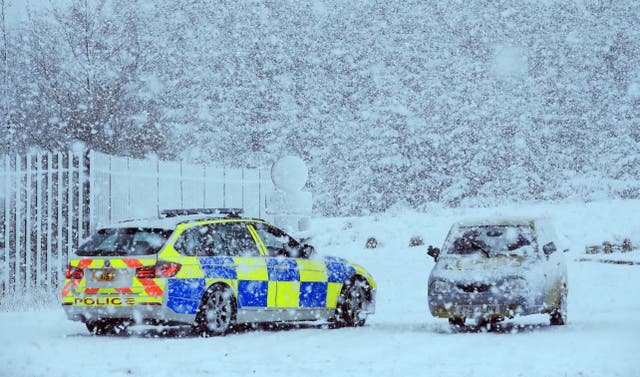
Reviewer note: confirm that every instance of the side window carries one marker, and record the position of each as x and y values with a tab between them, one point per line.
189	243
212	243
237	239
201	241
277	242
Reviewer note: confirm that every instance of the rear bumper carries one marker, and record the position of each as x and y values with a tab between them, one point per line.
139	312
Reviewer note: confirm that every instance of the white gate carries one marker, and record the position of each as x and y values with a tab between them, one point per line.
42	219
50	202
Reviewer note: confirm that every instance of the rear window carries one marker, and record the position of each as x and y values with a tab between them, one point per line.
124	241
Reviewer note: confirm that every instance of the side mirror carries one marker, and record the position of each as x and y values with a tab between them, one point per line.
549	248
307	251
433	252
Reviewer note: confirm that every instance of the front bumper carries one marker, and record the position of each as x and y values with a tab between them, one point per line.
469	310
485	305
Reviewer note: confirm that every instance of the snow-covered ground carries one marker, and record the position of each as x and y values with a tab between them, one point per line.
602	337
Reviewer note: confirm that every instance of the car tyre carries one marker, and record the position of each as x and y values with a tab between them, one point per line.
107	326
558	316
217	313
456	323
351	308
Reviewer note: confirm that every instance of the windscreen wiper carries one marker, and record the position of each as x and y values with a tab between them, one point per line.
479	245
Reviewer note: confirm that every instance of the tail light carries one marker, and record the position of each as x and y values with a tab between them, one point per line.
159	270
75	273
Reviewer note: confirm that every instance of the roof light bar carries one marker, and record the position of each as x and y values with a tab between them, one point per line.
229	212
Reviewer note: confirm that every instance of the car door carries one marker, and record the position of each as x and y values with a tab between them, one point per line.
185	290
255	291
301	282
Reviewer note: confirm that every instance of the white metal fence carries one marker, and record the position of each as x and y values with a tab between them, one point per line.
49	202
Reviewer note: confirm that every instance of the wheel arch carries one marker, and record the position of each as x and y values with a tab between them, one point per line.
355	278
554	295
219	284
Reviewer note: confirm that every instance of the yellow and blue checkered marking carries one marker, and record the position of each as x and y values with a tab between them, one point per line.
218	267
253	293
263	282
185	294
283	269
338	270
313	294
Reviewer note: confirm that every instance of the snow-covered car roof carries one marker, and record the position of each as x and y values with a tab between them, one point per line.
168	219
495	221
168	223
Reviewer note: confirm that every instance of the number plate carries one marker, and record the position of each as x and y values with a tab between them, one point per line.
105	275
109	278
465	311
471	311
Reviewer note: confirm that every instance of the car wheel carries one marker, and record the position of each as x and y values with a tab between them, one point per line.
351	308
456	322
107	326
217	312
558	316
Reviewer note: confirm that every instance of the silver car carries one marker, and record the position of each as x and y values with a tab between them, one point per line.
491	270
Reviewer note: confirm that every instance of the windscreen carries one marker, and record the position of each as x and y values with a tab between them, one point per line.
492	240
124	242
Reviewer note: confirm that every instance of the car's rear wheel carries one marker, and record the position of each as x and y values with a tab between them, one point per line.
107	326
558	316
352	303
217	312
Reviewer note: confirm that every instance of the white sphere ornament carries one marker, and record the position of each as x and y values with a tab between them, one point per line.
289	173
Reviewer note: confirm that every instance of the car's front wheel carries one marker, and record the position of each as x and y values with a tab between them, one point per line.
558	316
351	309
456	322
217	312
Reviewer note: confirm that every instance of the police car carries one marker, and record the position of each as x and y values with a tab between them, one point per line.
212	269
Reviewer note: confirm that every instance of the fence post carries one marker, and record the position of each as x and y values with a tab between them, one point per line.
204	186
60	220
81	196
69	206
27	230
6	234
158	186
18	233
50	279
6	265
181	186
90	193
260	192
39	209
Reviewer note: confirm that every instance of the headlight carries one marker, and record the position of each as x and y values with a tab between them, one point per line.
440	286
515	284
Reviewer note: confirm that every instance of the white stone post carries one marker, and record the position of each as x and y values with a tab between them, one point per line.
288	203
